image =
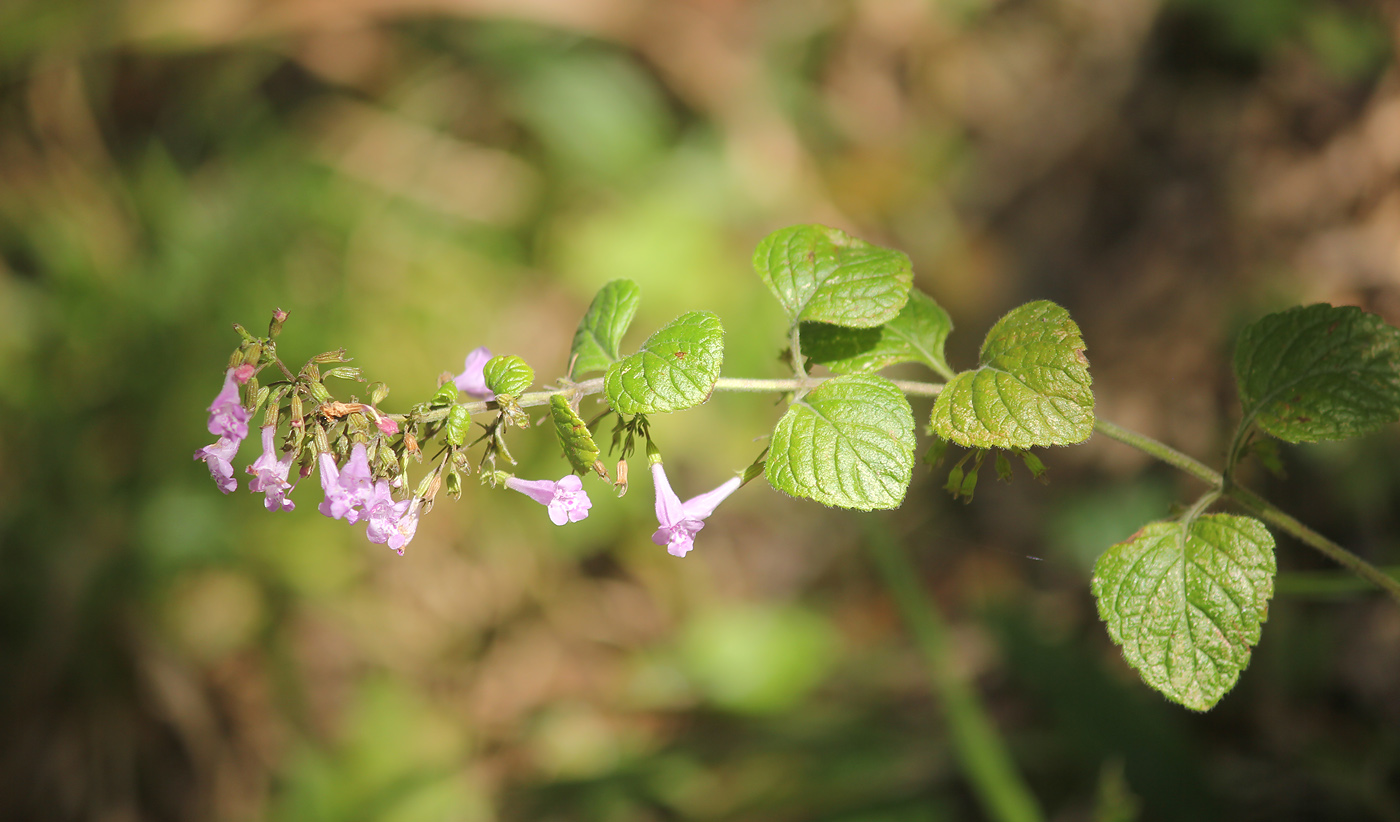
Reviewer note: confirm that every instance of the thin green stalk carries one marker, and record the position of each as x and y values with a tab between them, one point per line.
979	748
1256	504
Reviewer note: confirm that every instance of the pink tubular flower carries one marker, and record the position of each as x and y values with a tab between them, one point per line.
566	499
472	380
348	490
391	522
386	426
219	458
270	474
227	416
681	521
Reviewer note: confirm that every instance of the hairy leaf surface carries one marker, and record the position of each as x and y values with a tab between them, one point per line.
1319	372
916	334
847	443
600	331
821	274
1032	387
675	369
1185	601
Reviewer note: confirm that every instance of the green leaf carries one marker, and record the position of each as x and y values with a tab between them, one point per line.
600	331
456	425
507	375
849	443
1032	387
1185	601
820	274
1319	372
579	448
916	334
676	368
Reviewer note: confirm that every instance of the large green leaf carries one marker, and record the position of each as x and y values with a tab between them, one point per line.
849	443
600	331
820	274
1185	600
574	437
675	369
1032	387
1319	372
916	334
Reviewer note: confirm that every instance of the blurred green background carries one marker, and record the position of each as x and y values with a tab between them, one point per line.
414	178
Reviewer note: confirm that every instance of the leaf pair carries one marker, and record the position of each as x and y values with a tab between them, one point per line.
1186	600
675	369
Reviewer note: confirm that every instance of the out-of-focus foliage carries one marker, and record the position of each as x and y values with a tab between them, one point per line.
413	179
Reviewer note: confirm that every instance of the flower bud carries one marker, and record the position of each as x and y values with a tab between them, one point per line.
346	373
275	327
337	355
317	391
454	483
386	426
243	373
378	392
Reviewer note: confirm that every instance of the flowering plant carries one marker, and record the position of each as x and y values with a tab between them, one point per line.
1184	597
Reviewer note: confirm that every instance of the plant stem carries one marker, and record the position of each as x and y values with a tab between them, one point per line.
976	743
1256	504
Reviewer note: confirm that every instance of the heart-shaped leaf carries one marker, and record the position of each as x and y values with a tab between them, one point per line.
1185	600
600	331
1032	387
849	442
820	274
916	334
676	368
1319	372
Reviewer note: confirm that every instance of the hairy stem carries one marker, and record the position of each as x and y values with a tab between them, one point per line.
1256	504
977	745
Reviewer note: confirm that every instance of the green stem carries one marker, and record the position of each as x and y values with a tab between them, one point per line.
978	746
1257	505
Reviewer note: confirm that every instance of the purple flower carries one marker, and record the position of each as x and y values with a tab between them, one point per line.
472	380
389	521
567	500
270	474
227	416
219	458
681	521
348	490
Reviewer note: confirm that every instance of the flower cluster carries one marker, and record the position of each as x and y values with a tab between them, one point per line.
376	447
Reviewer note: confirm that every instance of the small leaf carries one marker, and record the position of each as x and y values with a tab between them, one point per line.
508	376
849	443
446	394
600	331
820	274
675	369
456	425
1185	601
1032	387
916	334
1319	372
579	448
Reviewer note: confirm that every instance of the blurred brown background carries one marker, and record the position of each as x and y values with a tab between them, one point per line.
414	178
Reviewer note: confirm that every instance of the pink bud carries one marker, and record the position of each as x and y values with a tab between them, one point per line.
387	426
243	373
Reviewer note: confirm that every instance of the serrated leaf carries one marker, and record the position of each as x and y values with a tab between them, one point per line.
600	331
849	442
821	274
1319	372
916	334
1032	387
579	448
507	375
1185	601
675	369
